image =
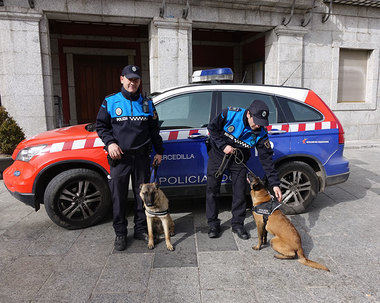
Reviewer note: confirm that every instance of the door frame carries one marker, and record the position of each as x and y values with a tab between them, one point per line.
81	46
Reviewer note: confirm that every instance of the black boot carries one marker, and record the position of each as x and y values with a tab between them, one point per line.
120	243
214	232
141	235
241	232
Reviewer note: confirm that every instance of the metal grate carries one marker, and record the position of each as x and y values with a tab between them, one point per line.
370	3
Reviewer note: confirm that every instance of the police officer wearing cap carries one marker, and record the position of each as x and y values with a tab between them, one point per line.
128	125
243	129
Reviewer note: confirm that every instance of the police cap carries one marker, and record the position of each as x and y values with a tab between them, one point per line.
131	72
259	112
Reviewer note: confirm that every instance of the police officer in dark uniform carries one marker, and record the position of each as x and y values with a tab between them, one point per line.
127	123
243	129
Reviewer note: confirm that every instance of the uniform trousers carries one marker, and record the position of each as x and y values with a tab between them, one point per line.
135	166
239	184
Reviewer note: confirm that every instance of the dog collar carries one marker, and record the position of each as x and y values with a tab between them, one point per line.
267	208
159	213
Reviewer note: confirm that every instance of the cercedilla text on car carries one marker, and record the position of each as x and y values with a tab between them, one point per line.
66	168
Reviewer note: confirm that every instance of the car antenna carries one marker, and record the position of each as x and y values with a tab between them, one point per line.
245	74
291	74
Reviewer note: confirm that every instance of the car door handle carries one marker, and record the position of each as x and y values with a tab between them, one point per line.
276	131
196	136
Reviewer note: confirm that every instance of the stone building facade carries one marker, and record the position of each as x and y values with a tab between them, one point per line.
57	57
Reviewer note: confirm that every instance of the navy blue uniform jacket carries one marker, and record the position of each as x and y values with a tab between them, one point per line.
231	127
123	121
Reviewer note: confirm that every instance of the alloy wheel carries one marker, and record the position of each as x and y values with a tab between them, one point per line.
79	200
296	188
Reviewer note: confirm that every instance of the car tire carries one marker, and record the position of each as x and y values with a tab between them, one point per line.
299	186
77	198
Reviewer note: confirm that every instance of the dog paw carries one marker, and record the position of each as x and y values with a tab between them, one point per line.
257	247
172	234
170	247
150	245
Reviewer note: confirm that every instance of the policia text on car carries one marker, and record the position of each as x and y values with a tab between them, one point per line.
237	128
128	125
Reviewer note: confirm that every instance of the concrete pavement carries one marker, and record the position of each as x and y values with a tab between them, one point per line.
41	262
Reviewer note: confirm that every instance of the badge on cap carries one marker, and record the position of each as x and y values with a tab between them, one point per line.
235	109
119	111
231	128
264	114
134	68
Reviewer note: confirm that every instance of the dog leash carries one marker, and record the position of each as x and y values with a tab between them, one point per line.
154	173
223	165
239	160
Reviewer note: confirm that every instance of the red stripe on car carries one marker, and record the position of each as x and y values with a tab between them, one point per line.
89	143
193	131
173	135
68	145
285	127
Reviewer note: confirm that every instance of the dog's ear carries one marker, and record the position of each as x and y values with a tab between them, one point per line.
251	179
156	185
249	182
140	187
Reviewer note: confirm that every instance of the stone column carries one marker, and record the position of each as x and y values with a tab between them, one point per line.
170	54
284	56
21	74
47	72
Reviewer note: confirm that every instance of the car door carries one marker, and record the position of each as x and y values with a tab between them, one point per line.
184	119
310	134
277	129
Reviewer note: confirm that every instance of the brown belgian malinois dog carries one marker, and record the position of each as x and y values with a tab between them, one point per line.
157	217
287	240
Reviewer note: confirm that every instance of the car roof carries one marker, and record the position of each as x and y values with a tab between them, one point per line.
296	93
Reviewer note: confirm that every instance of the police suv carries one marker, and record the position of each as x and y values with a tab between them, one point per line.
66	169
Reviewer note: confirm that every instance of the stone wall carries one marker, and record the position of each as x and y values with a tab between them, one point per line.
355	28
21	74
300	56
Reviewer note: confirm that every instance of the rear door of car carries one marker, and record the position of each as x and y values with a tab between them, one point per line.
184	119
278	128
311	133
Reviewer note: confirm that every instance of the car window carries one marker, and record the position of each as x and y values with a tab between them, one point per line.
185	111
299	112
244	100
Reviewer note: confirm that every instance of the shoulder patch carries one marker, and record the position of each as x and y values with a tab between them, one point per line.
231	129
234	109
267	144
118	111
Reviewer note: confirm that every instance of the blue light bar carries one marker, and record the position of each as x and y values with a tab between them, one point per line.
213	74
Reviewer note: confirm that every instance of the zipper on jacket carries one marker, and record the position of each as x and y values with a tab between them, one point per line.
131	108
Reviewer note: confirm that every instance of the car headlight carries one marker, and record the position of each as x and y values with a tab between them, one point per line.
28	153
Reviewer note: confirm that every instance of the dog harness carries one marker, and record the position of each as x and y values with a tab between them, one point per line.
266	209
159	213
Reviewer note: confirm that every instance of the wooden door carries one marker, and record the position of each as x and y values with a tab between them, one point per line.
95	78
